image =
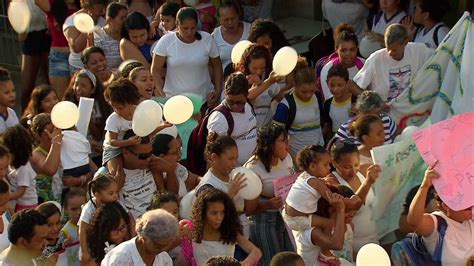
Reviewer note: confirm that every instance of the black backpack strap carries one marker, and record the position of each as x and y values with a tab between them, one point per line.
228	116
291	110
435	33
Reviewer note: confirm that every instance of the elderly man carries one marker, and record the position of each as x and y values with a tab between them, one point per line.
27	233
390	71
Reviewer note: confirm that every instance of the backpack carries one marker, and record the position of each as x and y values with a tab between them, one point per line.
195	162
412	251
292	108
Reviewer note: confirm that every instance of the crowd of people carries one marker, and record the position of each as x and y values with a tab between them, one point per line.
110	197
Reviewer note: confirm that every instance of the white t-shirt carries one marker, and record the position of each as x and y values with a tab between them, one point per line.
4	242
38	19
137	191
262	105
225	48
428	37
380	25
349	12
389	77
458	241
283	168
127	254
109	46
117	124
324	76
206	249
75	149
303	197
75	58
244	133
88	210
187	64
24	176
339	113
182	174
11	121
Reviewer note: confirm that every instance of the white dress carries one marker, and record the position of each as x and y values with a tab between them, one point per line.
206	249
4	242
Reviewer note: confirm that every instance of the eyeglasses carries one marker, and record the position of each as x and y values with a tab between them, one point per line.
141	156
238	103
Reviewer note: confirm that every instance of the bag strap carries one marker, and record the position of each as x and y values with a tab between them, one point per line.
228	116
291	110
435	34
442	226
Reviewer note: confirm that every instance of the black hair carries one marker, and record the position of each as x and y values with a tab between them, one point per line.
59	11
122	91
129	133
345	191
338	70
285	258
308	155
411	195
170	9
87	53
4	75
266	138
253	52
134	21
361	126
218	144
189	13
90	3
4	151
37	95
106	219
4	187
114	8
236	84
342	147
228	4
69	193
129	67
324	206
23	225
221	261
344	33
436	8
99	183
262	27
20	144
160	144
48	209
162	197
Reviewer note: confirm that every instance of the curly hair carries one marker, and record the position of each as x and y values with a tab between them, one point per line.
20	144
361	126
162	197
262	27
230	226
253	52
39	123
122	91
106	219
218	144
308	155
266	138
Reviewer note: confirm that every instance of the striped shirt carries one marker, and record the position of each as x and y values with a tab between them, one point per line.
390	128
109	46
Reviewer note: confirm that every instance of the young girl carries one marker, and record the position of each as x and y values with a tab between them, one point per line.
169	148
256	64
43	99
110	227
102	189
207	14
134	43
22	178
217	229
4	198
305	127
389	14
7	89
143	80
51	210
71	199
369	130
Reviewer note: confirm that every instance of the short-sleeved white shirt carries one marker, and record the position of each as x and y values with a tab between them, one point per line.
389	77
380	25
283	168
117	124
262	105
75	149
225	48
244	133
75	58
324	76
428	38
24	176
187	64
11	121
137	191
87	212
127	254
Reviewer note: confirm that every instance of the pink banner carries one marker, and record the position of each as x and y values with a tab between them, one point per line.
451	143
283	184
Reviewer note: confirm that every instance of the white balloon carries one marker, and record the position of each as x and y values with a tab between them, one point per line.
186	205
254	185
146	118
408	132
238	50
372	255
83	23
64	115
367	47
19	15
178	109
172	131
285	61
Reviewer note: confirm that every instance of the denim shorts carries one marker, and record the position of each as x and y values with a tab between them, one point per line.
58	64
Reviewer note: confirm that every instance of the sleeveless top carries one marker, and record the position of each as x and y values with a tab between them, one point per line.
146	51
44	182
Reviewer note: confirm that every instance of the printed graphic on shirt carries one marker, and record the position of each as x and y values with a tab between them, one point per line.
399	80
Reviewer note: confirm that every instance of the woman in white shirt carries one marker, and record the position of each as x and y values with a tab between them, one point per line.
230	32
270	161
187	54
4	198
458	245
217	229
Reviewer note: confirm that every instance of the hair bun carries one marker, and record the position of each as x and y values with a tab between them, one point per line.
343	27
